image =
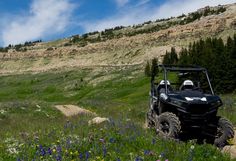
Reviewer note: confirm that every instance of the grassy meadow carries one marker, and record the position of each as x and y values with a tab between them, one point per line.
32	128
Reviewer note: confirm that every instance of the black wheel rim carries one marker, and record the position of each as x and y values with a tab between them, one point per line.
219	132
165	127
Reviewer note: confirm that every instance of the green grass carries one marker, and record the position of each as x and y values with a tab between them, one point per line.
31	128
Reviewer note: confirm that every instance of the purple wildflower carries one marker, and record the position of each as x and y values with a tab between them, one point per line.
111	140
81	156
42	151
138	159
59	158
104	151
146	152
153	141
87	155
49	151
59	149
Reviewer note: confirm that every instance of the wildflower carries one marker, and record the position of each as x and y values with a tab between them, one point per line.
146	152
49	151
104	151
162	155
87	155
58	158
42	151
153	141
76	152
111	140
81	156
54	150
12	150
102	140
192	147
59	148
138	159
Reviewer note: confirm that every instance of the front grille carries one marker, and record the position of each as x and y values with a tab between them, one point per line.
199	109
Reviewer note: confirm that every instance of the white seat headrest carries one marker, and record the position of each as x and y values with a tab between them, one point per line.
188	83
163	82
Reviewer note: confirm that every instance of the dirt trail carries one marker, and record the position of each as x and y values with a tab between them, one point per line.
72	110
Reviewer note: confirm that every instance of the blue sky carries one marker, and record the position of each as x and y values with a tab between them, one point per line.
29	20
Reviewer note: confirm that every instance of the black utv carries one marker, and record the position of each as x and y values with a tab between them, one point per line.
183	106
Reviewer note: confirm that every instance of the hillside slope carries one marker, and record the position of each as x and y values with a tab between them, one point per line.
123	50
32	128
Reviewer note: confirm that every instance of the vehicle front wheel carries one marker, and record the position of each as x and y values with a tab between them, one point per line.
168	125
225	133
149	119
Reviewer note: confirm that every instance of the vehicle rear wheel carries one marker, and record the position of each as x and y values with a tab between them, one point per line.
168	125
225	132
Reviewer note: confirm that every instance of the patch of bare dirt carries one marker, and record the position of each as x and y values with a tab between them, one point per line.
72	110
98	120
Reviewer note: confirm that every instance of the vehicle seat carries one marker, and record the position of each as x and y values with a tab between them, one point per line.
187	84
161	87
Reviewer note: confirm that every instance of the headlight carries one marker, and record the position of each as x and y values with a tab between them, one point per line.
189	99
196	98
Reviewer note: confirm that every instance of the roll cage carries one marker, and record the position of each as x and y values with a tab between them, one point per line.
179	68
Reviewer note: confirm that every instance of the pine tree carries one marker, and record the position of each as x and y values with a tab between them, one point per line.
147	70
167	58
173	56
170	58
154	68
183	57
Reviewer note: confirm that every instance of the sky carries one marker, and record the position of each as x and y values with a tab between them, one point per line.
31	20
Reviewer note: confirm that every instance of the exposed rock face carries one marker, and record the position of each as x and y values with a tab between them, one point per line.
125	50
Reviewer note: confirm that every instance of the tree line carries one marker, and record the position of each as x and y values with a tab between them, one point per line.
212	53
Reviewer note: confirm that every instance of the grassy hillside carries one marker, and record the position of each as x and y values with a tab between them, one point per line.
32	129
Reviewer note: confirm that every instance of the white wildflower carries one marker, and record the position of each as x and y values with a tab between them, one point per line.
2	111
192	147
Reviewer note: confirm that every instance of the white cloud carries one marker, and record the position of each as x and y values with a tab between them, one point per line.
121	3
141	13
142	2
45	18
